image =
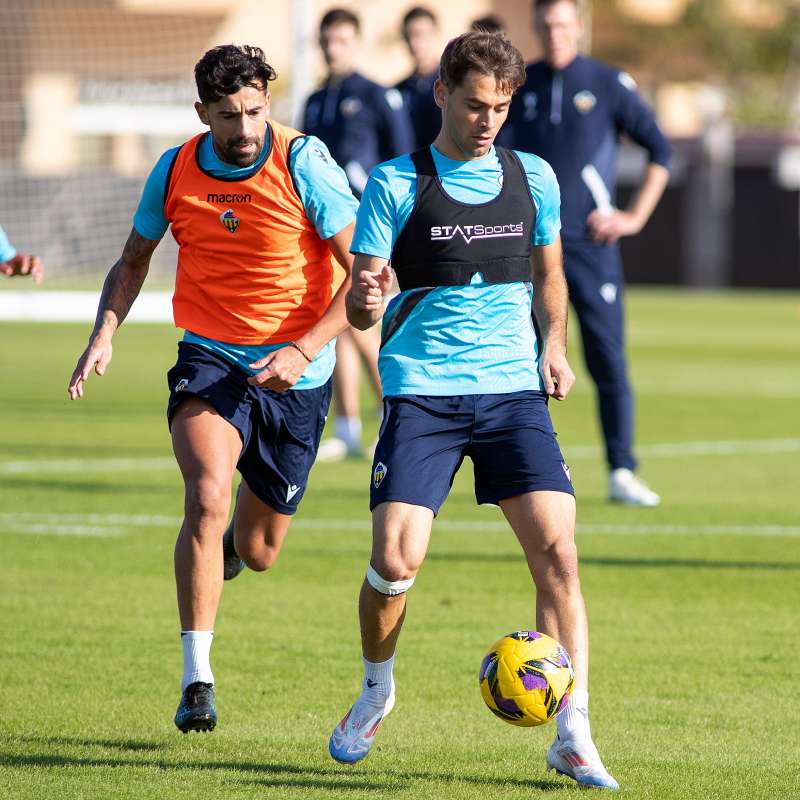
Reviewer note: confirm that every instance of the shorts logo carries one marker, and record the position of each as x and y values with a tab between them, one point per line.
443	233
566	471
229	220
608	291
379	473
291	490
181	385
584	101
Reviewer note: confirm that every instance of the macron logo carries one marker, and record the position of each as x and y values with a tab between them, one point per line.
291	491
443	233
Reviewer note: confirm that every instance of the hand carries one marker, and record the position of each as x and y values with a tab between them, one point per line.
24	264
608	227
556	372
280	370
368	291
97	355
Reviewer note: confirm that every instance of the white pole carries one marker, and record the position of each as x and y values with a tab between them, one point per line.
303	27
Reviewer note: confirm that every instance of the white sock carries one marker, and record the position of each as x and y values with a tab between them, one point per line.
378	681
196	657
348	429
573	721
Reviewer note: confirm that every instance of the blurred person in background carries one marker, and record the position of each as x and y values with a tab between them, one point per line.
571	112
13	263
488	24
420	32
362	123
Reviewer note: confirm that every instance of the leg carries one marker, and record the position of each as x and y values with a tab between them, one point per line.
595	282
400	536
259	530
400	540
544	523
347	424
207	449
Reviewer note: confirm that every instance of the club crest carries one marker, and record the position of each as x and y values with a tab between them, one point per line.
584	101
379	473
229	220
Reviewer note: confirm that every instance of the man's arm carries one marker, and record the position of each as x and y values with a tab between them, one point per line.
635	118
550	302
608	227
281	369
120	289
372	279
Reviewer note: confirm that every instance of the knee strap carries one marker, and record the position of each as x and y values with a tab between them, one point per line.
390	588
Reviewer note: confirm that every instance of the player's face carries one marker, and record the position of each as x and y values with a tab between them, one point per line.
237	123
339	45
559	29
472	114
421	38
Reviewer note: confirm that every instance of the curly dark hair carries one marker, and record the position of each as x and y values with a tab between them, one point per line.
486	53
225	69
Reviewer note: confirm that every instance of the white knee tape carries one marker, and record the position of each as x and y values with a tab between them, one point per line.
390	588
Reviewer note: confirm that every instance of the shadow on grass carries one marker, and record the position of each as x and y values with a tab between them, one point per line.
621	561
272	775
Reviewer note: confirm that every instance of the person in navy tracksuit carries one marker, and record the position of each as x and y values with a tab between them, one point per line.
571	112
362	124
421	34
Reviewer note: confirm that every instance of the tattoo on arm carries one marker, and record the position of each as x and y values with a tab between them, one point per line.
124	281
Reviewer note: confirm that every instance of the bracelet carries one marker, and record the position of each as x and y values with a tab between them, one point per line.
300	350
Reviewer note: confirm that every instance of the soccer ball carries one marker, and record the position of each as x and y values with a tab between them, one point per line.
526	678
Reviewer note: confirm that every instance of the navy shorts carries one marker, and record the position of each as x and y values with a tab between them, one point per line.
280	430
424	439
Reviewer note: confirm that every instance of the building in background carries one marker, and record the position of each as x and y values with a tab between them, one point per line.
92	92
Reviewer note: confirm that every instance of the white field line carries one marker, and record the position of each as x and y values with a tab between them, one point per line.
571	452
116	524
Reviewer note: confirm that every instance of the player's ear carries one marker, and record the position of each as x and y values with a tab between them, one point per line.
439	93
202	112
267	101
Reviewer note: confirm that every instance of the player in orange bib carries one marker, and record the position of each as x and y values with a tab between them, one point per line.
263	218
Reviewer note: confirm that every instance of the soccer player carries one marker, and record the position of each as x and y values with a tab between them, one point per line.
570	112
362	123
471	231
259	212
421	34
13	263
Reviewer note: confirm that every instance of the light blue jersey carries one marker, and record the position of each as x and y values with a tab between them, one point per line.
7	250
476	339
329	205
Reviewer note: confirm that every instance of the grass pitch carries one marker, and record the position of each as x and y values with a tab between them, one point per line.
693	606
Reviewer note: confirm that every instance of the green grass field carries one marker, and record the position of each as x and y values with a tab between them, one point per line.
693	606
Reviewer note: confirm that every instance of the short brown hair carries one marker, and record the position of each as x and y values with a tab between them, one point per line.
488	53
339	16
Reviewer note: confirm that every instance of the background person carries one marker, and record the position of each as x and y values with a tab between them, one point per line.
362	123
420	31
571	111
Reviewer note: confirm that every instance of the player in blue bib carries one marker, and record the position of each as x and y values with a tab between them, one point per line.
472	234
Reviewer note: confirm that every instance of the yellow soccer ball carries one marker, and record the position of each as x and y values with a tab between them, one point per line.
526	678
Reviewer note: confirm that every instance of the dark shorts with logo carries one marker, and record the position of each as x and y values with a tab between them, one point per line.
424	439
280	431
